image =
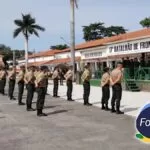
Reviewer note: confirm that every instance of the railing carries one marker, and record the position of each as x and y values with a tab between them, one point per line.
141	73
97	74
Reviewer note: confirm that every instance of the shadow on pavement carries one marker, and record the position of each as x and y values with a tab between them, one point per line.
47	107
57	112
2	117
130	109
78	99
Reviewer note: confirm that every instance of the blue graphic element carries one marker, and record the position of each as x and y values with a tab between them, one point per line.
143	121
146	106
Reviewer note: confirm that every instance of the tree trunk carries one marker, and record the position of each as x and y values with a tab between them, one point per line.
26	53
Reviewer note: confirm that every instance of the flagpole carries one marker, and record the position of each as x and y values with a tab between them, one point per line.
72	34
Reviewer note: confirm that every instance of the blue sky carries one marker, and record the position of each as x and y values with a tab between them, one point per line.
54	15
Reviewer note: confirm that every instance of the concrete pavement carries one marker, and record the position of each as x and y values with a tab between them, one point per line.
69	126
131	101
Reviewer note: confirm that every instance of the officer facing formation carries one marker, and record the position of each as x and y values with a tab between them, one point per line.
12	81
30	82
69	79
21	85
40	84
115	78
55	78
105	83
3	75
86	76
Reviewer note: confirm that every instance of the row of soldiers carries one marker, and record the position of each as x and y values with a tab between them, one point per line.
113	79
35	79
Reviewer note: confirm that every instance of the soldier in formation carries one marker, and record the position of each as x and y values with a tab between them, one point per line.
21	85
30	82
69	79
86	76
11	81
3	75
41	84
115	79
55	78
105	83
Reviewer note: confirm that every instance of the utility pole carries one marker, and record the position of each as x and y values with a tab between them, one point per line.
14	59
72	34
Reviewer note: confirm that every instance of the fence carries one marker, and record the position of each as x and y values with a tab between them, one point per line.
142	73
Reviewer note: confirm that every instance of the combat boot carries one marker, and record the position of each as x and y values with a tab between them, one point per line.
103	107
118	110
107	108
113	109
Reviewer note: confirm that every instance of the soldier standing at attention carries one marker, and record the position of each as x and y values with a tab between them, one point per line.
86	76
12	81
69	78
105	81
40	84
116	77
21	85
3	75
1	79
47	76
36	72
55	78
30	82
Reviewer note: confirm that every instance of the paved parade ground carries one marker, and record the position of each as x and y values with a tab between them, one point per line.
131	101
69	125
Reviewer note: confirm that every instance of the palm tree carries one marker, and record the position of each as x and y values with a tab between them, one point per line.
27	26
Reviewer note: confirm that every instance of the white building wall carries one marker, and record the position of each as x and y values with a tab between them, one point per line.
67	55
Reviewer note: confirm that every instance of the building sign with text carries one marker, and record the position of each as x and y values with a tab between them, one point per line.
130	47
92	54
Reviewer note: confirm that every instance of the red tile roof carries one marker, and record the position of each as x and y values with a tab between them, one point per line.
40	63
44	53
64	60
118	38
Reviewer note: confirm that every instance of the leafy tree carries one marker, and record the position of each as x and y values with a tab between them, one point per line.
7	54
99	31
145	22
114	30
59	47
94	31
27	26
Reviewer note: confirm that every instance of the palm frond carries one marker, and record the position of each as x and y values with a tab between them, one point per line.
27	19
35	33
16	32
35	26
27	26
18	23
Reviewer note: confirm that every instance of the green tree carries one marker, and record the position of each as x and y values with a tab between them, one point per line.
59	47
145	22
94	31
99	31
114	30
27	26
